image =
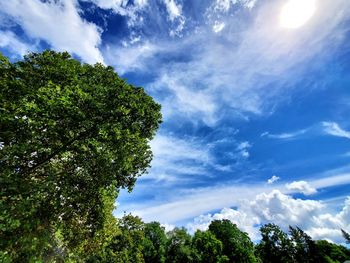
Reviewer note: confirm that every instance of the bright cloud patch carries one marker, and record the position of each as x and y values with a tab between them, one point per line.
9	40
283	210
57	23
301	187
273	179
333	128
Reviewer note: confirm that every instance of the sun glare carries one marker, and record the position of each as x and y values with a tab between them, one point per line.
295	13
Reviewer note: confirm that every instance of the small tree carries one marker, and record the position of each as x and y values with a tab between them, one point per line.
154	246
275	246
179	246
237	245
346	236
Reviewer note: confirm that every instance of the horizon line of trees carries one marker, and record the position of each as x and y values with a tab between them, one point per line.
223	241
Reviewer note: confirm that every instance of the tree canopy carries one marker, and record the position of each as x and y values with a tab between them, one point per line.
71	135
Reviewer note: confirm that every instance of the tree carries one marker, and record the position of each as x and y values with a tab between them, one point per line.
275	246
304	248
346	236
154	245
207	248
179	246
237	245
71	135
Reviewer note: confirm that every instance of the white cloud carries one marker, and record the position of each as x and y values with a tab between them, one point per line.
132	10
225	5
218	26
57	23
218	78
176	17
130	58
244	221
289	135
283	210
9	40
173	9
302	187
333	128
187	101
243	149
177	159
273	179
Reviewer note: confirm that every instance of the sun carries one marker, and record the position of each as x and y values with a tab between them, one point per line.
295	13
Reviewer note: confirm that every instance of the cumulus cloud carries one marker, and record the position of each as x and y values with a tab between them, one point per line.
333	128
57	23
283	210
244	221
301	187
273	179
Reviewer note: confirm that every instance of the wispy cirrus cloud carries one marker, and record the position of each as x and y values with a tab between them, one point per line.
240	69
287	135
333	128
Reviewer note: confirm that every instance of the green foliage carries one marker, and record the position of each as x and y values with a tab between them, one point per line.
71	135
154	246
237	245
207	248
275	246
179	246
304	248
330	252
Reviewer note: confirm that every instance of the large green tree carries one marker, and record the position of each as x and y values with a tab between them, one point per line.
71	135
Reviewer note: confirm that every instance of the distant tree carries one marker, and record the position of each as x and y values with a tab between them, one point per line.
304	248
179	246
346	236
71	135
207	248
275	246
154	245
237	245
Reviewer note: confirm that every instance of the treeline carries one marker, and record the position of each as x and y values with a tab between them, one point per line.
138	242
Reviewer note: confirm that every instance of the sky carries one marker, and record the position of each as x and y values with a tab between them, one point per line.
255	101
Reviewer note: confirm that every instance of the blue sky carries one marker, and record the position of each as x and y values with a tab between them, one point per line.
256	114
